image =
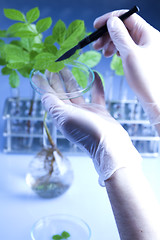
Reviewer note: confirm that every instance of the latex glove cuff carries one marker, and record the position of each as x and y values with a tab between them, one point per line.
107	161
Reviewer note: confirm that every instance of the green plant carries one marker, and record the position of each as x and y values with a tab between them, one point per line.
116	65
23	47
17	55
29	49
63	235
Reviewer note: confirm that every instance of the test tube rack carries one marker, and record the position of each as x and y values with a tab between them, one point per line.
24	132
133	119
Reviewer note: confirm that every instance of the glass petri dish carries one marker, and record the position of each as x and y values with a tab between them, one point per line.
51	225
72	81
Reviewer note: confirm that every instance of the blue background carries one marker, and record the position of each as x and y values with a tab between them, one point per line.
68	11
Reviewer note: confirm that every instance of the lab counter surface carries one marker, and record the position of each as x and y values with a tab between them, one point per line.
20	208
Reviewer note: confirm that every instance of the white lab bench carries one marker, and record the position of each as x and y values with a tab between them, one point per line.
20	207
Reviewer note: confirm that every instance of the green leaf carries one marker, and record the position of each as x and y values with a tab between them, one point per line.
55	66
6	71
16	42
65	235
45	56
33	54
14	79
43	60
2	61
16	65
2	49
51	49
25	34
16	27
2	43
49	40
80	77
22	30
40	65
26	43
43	24
116	65
101	77
14	14
3	33
75	29
38	46
59	32
68	44
75	33
32	43
57	237
90	58
47	61
16	54
32	15
25	71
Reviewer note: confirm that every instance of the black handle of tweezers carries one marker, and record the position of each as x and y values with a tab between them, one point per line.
98	33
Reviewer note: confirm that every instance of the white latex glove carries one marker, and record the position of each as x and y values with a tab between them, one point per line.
92	128
138	44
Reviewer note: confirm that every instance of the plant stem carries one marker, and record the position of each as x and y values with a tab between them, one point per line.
30	111
49	135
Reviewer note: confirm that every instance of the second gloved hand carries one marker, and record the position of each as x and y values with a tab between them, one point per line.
137	42
92	128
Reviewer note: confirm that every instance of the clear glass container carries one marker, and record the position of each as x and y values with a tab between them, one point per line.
50	173
47	227
73	81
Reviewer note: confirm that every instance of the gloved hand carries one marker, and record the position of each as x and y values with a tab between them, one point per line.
92	128
138	45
